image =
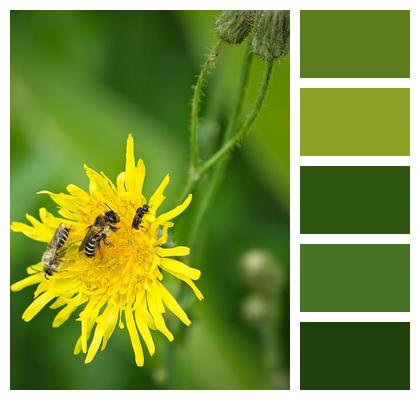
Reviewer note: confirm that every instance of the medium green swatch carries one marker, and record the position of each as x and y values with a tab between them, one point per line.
355	200
355	44
355	122
355	355
355	277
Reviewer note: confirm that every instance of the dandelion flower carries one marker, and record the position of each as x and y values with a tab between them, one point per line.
124	280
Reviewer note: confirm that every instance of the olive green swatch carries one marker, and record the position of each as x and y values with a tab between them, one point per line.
355	200
355	355
355	122
354	277
355	44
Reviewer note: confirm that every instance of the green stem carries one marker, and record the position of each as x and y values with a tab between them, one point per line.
195	106
220	168
236	139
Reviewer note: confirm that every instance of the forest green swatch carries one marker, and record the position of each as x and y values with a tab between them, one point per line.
355	200
355	277
355	122
355	44
355	355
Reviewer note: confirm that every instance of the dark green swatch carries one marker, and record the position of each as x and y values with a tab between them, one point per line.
355	44
355	122
355	200
355	277
355	355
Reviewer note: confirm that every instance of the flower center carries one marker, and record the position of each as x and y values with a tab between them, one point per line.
118	269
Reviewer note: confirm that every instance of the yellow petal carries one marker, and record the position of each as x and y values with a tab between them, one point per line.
77	192
64	314
173	305
130	173
158	197
38	231
94	346
175	211
144	331
107	321
87	318
28	281
59	302
121	182
134	337
140	175
175	266
191	284
177	251
78	346
34	269
37	305
156	308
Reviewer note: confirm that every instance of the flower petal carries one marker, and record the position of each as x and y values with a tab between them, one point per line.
37	305
175	211
130	173
175	266
88	317
177	251
144	331
173	305
156	309
134	337
64	314
28	281
94	346
158	197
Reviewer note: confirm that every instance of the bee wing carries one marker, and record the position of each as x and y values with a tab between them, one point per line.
55	241
93	231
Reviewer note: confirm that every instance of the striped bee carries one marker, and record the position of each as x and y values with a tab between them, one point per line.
53	255
103	226
141	211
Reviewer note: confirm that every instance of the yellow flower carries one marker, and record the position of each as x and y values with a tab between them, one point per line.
125	277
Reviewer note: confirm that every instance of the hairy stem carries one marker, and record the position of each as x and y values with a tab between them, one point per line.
195	106
243	130
220	168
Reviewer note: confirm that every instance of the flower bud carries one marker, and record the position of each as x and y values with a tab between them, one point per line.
272	34
261	271
234	26
255	310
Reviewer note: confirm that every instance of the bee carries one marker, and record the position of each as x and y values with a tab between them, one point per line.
103	226
53	255
141	211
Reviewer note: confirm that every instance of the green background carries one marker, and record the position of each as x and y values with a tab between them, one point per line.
355	277
355	200
355	44
355	355
355	122
80	82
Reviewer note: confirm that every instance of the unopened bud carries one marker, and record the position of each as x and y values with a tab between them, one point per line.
234	26
272	34
261	271
255	310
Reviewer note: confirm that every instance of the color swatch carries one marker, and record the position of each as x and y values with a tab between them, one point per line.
355	122
354	277
355	355
355	44
355	200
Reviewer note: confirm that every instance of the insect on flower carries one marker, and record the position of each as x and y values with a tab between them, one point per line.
103	226
53	255
127	281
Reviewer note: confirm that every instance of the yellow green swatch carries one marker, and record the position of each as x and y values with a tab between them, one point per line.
355	122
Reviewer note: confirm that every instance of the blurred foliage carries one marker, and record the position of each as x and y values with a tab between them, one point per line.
80	82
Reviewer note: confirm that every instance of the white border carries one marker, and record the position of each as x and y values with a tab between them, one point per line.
296	161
